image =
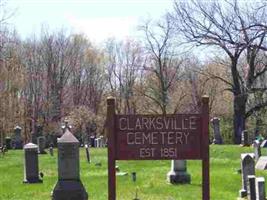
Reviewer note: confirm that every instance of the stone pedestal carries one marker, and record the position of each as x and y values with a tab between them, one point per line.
16	140
257	149
251	187
216	129
244	138
260	188
41	141
178	173
31	169
69	186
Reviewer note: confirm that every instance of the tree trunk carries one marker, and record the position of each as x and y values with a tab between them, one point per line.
240	101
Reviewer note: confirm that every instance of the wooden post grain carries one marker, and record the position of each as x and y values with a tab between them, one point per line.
111	149
205	149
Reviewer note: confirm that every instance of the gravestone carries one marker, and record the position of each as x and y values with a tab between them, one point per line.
244	138
8	142
97	143
260	188
31	168
69	185
257	149
264	144
87	153
216	130
101	141
16	140
178	173
262	163
247	168
41	145
251	187
51	150
92	141
37	133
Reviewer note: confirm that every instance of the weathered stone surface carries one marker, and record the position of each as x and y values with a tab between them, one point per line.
178	173
31	168
251	189
262	163
216	130
257	149
244	138
69	186
16	140
69	190
260	188
41	141
247	168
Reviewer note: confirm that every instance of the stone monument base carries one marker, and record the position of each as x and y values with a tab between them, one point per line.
69	190
217	141
33	180
178	177
242	193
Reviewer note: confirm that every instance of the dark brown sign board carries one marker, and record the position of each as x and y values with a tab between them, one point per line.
158	137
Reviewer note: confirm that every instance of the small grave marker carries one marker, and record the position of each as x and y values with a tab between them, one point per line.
31	168
257	149
41	141
87	153
262	163
178	173
251	187
244	138
216	130
260	188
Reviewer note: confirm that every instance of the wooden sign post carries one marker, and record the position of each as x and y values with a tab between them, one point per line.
158	137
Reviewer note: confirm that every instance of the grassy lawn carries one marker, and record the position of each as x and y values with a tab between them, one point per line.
151	177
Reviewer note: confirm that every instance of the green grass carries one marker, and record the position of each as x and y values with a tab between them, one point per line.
151	177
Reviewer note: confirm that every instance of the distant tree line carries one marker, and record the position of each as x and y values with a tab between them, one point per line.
57	75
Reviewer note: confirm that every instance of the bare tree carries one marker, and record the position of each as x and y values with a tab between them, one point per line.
124	62
163	66
236	28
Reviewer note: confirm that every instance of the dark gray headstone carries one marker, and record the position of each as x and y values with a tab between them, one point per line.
16	140
87	153
92	141
260	188
69	185
244	138
41	141
251	187
247	168
51	150
31	169
257	149
262	163
178	173
216	130
8	142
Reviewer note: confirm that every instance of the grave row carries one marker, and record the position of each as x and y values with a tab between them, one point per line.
253	188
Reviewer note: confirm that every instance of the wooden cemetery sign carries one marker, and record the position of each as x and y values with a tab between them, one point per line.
158	137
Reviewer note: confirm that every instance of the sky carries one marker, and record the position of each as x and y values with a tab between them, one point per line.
98	19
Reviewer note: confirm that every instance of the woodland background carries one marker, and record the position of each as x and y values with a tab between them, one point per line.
59	75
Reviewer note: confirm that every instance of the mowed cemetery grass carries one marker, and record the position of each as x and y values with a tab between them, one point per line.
151	176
